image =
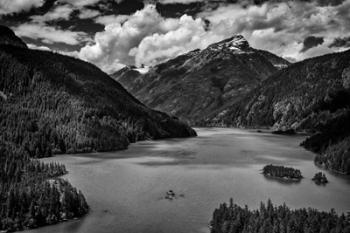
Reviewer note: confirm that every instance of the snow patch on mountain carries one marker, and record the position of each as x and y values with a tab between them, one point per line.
142	70
235	44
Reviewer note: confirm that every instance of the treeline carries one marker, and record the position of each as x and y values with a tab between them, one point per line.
31	195
233	218
332	142
49	132
282	172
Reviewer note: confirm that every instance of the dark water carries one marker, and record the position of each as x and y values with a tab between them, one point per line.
126	189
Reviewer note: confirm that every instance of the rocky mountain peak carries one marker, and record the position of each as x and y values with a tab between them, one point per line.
234	43
8	37
238	41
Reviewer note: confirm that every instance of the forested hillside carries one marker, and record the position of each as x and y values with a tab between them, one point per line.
311	95
54	103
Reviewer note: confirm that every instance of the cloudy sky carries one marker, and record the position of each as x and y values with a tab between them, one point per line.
115	33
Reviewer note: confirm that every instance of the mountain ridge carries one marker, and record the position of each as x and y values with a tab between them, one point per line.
223	71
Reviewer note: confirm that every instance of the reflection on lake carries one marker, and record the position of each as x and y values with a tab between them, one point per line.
126	189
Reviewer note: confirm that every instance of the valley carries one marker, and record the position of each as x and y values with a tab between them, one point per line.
126	189
117	152
256	89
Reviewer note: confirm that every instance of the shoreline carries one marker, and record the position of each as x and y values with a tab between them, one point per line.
94	209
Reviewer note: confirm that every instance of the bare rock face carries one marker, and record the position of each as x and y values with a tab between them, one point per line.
8	37
195	85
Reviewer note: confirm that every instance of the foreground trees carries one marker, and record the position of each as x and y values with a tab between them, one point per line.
31	195
276	219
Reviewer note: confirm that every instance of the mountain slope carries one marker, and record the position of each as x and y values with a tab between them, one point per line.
288	98
8	37
194	85
312	95
54	103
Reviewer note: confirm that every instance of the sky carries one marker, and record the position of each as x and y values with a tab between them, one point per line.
115	33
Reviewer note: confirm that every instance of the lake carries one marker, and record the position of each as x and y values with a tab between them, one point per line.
126	189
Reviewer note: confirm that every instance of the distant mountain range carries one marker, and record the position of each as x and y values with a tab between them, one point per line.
231	84
197	84
52	103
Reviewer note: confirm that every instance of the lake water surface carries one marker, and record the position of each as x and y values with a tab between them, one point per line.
126	189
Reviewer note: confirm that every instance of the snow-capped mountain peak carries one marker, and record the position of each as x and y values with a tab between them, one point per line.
235	43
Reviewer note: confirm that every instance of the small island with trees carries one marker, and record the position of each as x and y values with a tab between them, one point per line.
281	172
320	178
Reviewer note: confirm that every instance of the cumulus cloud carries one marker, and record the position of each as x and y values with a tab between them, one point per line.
147	38
38	28
59	13
187	34
50	35
13	6
282	27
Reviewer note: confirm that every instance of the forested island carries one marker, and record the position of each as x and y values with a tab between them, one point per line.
281	172
269	218
320	178
32	194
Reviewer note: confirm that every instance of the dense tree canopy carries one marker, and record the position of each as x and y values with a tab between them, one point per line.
31	195
282	172
276	219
